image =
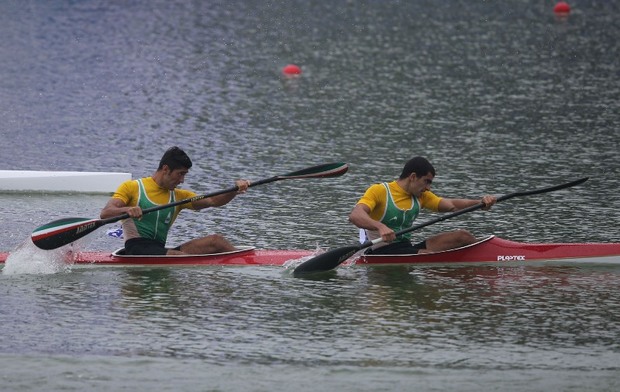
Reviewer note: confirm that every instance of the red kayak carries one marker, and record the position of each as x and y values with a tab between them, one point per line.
496	250
488	250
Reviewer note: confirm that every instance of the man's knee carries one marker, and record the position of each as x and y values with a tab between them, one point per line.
464	237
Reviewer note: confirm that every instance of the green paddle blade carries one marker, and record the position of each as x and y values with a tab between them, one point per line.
320	171
63	231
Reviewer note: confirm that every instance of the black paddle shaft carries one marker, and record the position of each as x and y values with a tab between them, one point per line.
326	170
499	199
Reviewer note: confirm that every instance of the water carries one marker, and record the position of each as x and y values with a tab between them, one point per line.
501	97
537	328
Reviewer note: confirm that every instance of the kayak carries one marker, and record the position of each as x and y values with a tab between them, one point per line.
492	249
497	250
243	255
60	181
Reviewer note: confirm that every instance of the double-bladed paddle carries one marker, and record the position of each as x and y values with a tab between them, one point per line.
64	231
333	258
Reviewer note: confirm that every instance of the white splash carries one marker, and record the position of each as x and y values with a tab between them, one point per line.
293	263
290	265
28	259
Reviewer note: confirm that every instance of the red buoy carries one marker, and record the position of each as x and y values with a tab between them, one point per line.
561	7
291	69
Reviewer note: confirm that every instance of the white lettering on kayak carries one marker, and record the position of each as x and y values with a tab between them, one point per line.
511	258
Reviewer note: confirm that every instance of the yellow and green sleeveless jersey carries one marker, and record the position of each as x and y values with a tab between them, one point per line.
145	193
394	207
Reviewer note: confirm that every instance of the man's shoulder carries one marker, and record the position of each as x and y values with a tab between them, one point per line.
429	195
184	193
430	200
379	185
377	188
376	192
128	185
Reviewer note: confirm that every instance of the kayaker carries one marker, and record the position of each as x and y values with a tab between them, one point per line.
147	234
393	206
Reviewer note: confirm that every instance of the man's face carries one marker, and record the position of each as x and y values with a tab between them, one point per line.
173	178
418	185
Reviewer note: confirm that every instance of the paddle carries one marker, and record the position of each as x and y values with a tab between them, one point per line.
333	258
64	231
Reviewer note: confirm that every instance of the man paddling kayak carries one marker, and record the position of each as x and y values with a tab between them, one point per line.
393	206
147	234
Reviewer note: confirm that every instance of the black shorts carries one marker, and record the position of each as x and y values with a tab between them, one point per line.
145	246
398	248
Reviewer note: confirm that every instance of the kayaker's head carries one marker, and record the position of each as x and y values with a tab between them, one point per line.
175	158
173	167
417	176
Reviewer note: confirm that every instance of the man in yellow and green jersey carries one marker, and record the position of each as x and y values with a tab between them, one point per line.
146	234
388	207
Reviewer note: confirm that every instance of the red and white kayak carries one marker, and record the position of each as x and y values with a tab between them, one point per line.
497	250
489	250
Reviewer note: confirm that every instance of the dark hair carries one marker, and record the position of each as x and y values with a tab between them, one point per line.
418	165
175	158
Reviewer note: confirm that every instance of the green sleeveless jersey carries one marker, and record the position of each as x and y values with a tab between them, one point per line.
398	219
154	225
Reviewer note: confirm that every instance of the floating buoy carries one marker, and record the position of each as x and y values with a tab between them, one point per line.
291	69
561	8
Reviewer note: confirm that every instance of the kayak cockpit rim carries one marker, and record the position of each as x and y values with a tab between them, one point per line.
120	252
483	240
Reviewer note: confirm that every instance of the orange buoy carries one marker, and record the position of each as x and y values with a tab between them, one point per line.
291	69
561	7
